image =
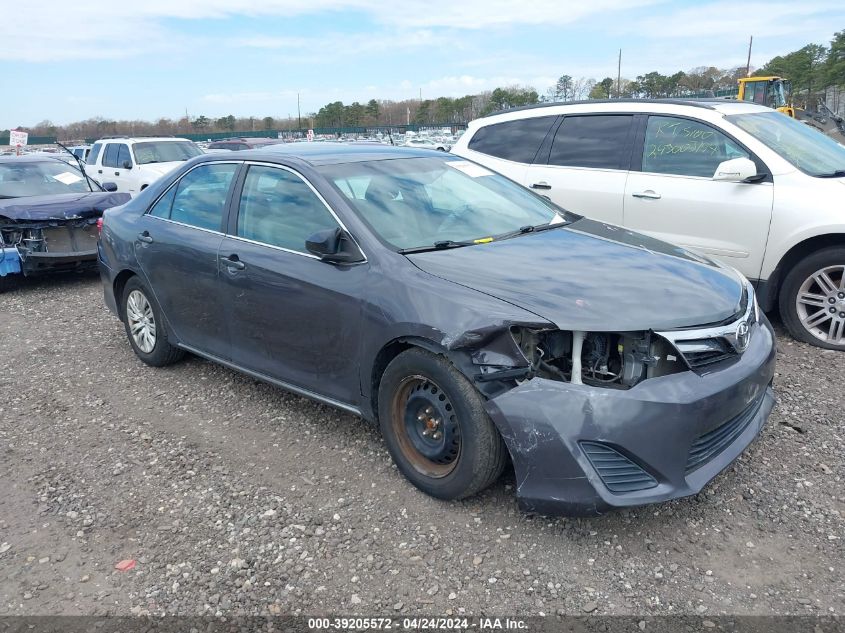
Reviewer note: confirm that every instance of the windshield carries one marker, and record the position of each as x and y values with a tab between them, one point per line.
422	202
777	97
808	149
43	178
164	151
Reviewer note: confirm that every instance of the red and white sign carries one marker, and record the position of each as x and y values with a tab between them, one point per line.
18	139
310	135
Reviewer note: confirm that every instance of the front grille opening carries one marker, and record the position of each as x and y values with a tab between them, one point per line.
702	353
710	444
618	473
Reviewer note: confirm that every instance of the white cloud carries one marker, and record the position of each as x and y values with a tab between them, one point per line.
97	29
718	21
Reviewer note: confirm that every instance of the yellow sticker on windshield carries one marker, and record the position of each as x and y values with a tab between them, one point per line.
482	240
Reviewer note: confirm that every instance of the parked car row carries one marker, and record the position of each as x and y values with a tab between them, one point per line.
499	302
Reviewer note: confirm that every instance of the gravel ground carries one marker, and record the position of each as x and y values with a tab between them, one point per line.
236	497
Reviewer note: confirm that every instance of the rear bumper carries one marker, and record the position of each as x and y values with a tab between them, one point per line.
678	432
107	277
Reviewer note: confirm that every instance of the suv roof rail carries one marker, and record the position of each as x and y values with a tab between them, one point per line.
698	103
114	136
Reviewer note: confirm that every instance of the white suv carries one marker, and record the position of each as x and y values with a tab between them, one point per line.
735	181
134	163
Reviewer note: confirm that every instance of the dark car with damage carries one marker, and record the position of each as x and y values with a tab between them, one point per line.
471	319
49	212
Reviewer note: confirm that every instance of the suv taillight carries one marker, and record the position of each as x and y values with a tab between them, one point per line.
99	226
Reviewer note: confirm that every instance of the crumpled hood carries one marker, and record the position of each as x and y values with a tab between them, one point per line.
595	277
63	206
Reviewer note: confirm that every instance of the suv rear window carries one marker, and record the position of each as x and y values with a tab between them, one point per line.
596	141
512	140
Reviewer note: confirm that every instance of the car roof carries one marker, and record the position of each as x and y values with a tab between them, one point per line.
334	153
723	106
140	139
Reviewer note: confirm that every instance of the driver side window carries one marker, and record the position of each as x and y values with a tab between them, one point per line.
278	208
686	148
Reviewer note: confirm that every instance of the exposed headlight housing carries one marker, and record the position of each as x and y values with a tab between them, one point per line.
603	359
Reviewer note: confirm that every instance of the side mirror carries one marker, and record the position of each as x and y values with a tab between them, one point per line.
735	170
333	245
127	164
110	186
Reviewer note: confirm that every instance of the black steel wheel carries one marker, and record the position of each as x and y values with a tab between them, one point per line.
436	428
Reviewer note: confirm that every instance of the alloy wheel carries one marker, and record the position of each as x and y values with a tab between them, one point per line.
821	304
142	325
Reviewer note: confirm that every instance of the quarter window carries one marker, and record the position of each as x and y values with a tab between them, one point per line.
92	155
686	148
278	208
518	140
599	142
161	209
200	197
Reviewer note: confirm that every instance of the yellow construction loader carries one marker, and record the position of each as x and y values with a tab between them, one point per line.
775	92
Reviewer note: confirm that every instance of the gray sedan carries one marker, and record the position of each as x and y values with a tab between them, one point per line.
474	321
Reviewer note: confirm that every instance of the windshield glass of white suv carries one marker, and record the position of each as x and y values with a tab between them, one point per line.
44	178
164	151
431	202
808	149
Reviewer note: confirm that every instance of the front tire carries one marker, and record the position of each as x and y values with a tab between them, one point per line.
435	427
812	299
145	327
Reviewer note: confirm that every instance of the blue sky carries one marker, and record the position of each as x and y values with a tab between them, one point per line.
66	60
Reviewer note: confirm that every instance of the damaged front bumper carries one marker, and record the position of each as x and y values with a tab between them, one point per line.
32	248
582	450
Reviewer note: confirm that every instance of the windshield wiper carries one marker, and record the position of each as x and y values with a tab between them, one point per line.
839	173
536	228
437	246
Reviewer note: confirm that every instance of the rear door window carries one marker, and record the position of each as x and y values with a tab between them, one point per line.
199	199
686	148
517	141
596	141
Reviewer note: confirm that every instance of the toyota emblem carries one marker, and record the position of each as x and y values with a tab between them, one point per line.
743	336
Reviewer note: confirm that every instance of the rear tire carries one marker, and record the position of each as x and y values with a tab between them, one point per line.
145	327
812	299
435	427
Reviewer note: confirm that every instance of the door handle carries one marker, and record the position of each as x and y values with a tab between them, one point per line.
145	237
117	173
540	185
99	171
651	195
233	261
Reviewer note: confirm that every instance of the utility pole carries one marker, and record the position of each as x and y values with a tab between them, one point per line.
748	63
298	112
619	76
